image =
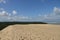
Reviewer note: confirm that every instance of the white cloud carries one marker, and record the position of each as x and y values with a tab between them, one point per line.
14	12
3	1
56	11
52	17
55	14
9	14
6	16
3	13
15	18
47	17
20	18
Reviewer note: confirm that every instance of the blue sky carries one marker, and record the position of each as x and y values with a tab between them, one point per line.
30	10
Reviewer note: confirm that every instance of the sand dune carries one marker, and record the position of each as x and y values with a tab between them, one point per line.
31	32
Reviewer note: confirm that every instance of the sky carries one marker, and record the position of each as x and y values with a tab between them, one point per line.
30	10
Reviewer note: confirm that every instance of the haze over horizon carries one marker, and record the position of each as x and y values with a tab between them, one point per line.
30	10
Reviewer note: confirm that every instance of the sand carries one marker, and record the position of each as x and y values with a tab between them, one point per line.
31	32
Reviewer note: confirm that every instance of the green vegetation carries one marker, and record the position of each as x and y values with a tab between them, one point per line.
5	24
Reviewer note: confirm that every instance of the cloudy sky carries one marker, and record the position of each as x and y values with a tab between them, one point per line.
30	10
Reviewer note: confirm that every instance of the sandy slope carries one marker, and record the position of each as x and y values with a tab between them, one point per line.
31	32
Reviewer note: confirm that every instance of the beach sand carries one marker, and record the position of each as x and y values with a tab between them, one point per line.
31	32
